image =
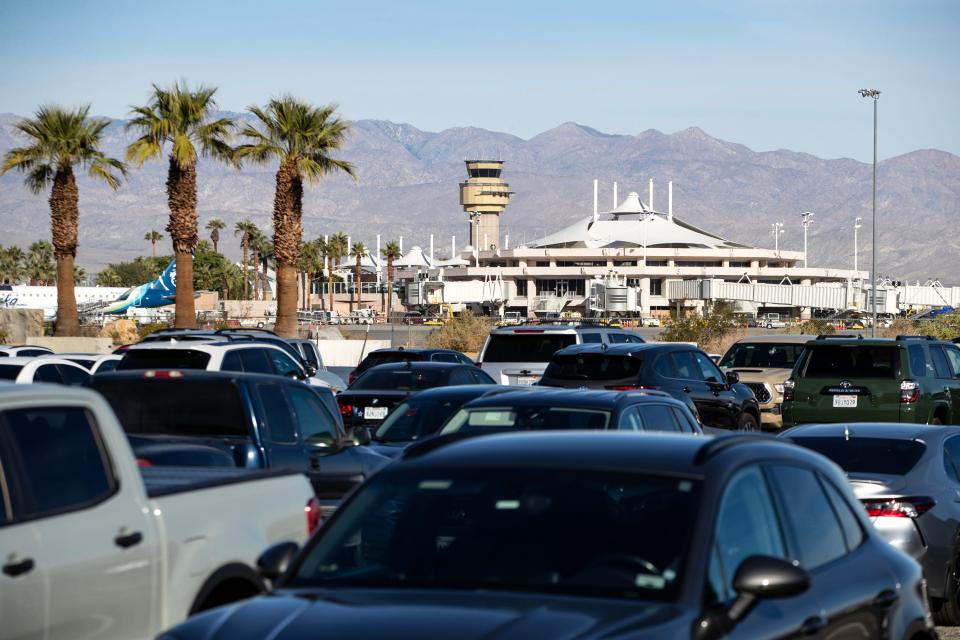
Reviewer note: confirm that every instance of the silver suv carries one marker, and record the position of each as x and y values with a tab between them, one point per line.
519	355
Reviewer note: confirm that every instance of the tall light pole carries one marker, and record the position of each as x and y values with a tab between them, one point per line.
777	230
875	96
856	227
807	220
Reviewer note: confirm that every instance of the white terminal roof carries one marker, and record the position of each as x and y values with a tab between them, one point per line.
416	257
626	229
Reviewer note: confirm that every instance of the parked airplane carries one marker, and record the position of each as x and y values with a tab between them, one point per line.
111	300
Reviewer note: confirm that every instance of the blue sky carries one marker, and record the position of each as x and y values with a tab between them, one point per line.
766	74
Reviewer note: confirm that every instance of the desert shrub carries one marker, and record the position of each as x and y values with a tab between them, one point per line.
943	327
4	336
464	333
712	331
146	329
813	327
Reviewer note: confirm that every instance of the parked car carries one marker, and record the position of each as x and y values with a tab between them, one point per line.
771	321
519	355
650	322
370	398
588	536
403	354
764	363
680	369
908	479
27	370
92	546
22	351
106	362
852	379
422	414
412	317
553	409
253	421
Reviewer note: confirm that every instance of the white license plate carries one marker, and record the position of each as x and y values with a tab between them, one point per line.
528	380
375	413
845	402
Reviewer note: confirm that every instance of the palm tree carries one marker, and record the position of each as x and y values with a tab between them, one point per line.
265	248
245	229
358	251
301	137
255	240
39	264
390	253
336	248
180	119
60	139
11	264
214	227
153	237
79	275
310	262
108	278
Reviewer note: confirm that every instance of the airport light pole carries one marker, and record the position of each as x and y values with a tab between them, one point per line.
777	230
856	227
875	96
807	220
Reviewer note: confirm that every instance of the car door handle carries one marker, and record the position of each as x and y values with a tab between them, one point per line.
886	598
125	540
18	568
813	625
686	389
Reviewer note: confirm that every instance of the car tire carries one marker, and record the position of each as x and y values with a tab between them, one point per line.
946	612
748	422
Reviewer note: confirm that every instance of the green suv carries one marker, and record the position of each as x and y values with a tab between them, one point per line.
851	379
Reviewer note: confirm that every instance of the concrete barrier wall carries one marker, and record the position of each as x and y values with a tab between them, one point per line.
20	324
347	353
73	345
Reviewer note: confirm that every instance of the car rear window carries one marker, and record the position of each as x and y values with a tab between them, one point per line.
853	361
375	359
9	371
767	355
163	359
527	418
526	347
401	379
592	367
176	407
868	455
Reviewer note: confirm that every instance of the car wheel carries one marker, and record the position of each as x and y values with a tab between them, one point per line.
748	422
947	611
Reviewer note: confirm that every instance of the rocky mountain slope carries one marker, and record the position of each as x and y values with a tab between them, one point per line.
407	185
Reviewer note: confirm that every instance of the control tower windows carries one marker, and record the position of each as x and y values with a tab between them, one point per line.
484	173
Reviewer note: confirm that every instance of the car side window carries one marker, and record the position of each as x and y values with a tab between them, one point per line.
462	359
708	370
613	337
71	475
684	366
919	366
951	457
310	354
317	426
633	339
482	377
444	357
48	373
73	375
952	357
279	421
815	531
283	365
460	376
630	420
663	366
683	420
231	361
746	525
255	361
852	532
592	338
657	417
940	364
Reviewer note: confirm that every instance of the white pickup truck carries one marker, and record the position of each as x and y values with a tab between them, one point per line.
94	547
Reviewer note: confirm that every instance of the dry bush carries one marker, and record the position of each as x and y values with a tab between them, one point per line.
4	336
944	327
813	327
464	333
713	331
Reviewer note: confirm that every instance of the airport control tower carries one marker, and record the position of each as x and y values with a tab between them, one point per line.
484	196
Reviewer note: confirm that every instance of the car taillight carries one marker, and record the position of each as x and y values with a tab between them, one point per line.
314	516
628	387
788	386
898	507
144	463
346	409
909	391
478	364
162	374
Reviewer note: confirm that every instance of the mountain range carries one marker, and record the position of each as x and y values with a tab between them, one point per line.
407	185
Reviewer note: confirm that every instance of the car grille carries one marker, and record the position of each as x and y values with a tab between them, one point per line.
760	390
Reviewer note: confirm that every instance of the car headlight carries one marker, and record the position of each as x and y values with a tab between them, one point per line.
778	388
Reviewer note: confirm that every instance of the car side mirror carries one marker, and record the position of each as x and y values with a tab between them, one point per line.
311	370
273	562
762	577
732	377
360	435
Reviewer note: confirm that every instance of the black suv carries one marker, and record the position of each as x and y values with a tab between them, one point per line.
683	371
401	354
589	535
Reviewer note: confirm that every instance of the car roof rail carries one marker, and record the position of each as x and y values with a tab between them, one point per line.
433	443
915	338
720	443
239	329
839	336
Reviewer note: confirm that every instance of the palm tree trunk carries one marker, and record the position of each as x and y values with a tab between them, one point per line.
287	238
255	264
330	282
246	282
389	287
153	248
63	222
359	283
215	239
182	198
265	289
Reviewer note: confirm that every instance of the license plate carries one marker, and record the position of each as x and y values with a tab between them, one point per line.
528	380
375	413
845	402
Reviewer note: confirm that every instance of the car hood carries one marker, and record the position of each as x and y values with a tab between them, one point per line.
758	374
373	614
389	449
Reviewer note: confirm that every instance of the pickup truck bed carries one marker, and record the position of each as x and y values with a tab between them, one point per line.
165	481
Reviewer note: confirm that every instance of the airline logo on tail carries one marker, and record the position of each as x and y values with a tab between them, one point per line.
158	293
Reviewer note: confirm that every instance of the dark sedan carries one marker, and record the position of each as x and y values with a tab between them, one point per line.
371	397
588	536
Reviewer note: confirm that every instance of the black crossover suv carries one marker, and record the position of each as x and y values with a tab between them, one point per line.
586	535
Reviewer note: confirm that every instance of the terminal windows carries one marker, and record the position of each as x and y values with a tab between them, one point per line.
741	264
656	287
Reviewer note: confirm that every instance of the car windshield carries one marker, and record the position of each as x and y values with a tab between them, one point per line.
400	379
868	455
527	418
534	346
163	359
852	361
765	355
592	367
10	371
551	530
418	417
176	407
